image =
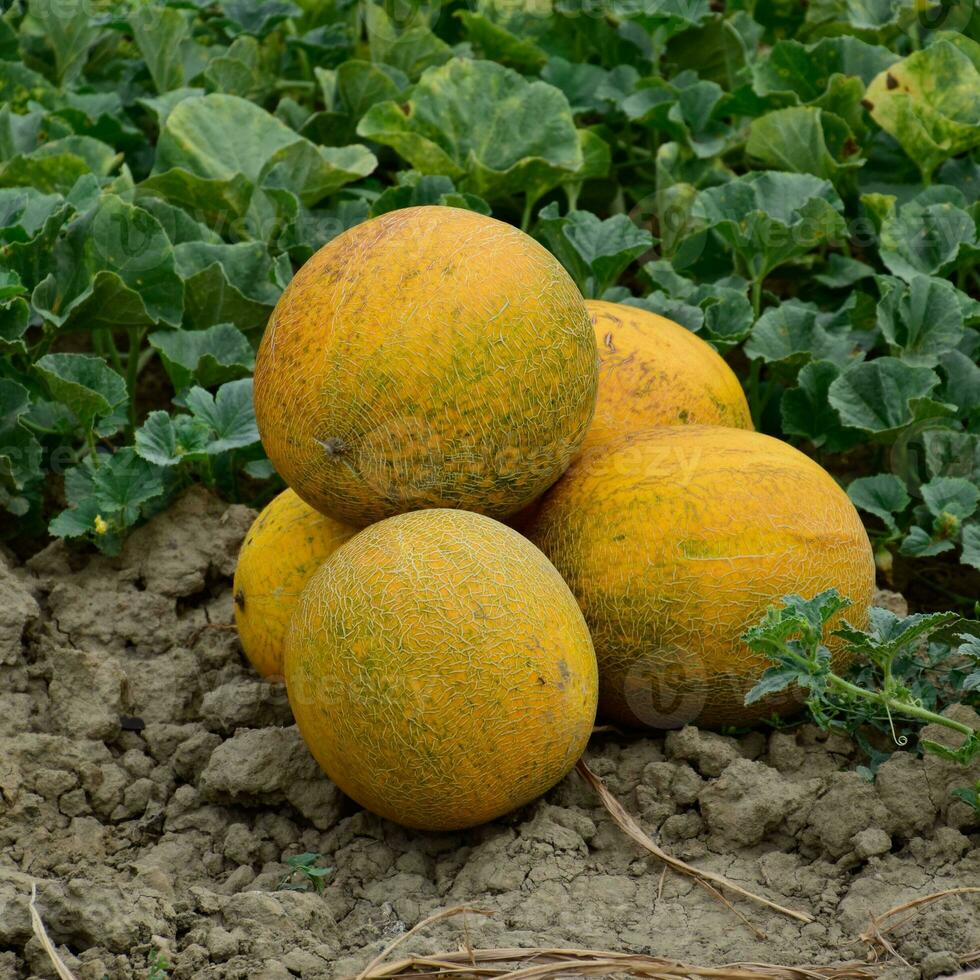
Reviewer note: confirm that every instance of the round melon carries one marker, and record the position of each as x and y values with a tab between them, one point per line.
283	548
653	371
430	357
440	670
675	541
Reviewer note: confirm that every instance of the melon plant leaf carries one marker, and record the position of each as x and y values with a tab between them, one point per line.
595	252
209	357
807	412
962	385
920	320
258	19
951	495
804	140
412	47
220	137
920	544
803	71
85	384
70	30
971	556
796	332
883	495
415	189
113	266
20	452
590	88
768	218
226	283
163	35
930	103
929	234
843	272
229	414
106	496
168	441
877	395
488	128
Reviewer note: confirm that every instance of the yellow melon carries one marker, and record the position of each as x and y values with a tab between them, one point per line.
431	357
653	371
440	670
675	541
283	548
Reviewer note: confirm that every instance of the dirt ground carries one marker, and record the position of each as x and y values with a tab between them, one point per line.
152	787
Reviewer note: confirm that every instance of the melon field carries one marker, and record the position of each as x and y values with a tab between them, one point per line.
489	489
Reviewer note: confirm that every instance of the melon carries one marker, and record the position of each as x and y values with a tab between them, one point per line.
431	357
675	541
653	372
440	670
283	548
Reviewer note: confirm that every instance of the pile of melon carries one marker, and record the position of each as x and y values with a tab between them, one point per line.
432	380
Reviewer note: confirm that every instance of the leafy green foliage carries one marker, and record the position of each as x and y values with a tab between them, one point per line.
896	672
305	874
797	184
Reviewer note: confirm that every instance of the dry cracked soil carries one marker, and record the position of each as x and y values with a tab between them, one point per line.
152	787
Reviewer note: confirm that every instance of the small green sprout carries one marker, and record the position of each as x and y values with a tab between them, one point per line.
305	865
158	967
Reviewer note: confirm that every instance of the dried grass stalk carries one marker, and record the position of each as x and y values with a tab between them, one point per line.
707	879
37	924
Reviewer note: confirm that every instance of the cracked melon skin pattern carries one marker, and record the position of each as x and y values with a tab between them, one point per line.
283	548
675	541
653	371
440	670
430	357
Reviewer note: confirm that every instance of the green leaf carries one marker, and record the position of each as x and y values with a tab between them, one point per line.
167	441
962	386
920	544
484	126
222	137
928	235
114	266
209	357
226	283
595	252
412	47
805	71
920	320
20	452
930	103
876	395
86	384
806	410
259	19
414	189
883	495
768	218
843	272
951	495
163	35
804	140
229	414
106	496
773	680
796	332
971	556
70	31
590	88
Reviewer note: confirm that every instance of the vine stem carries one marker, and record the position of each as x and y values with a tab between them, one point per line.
881	697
